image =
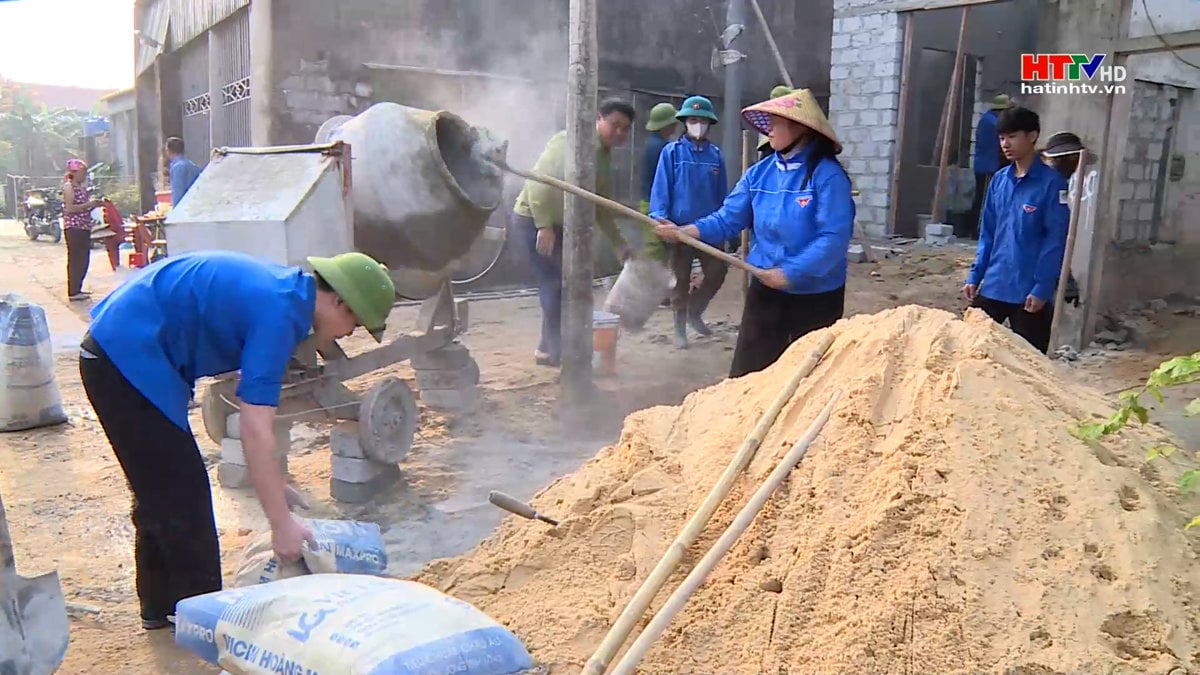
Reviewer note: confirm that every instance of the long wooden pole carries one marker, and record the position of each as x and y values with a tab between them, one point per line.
579	215
749	139
898	156
766	28
641	600
630	213
679	598
956	95
1064	273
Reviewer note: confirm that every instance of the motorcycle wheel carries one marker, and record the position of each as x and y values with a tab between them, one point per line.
55	232
31	230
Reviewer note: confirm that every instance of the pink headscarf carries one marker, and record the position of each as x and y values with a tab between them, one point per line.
74	164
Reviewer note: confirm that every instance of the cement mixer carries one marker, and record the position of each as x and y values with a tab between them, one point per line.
413	189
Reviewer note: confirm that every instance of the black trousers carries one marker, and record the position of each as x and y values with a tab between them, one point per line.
79	256
682	296
1035	328
772	320
176	549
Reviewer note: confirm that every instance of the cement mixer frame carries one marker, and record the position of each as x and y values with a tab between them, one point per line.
287	203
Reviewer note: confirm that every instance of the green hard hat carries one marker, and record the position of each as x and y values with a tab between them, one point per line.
781	90
661	117
363	284
697	106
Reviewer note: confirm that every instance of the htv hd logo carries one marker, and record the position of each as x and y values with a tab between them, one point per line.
1070	73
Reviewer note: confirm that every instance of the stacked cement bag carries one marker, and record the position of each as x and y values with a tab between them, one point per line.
29	397
345	624
343	546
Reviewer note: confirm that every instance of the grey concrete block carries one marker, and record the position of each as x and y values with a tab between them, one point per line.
939	229
840	41
869	117
1135	171
233	426
855	253
451	400
939	241
850	24
344	441
871	85
1146	211
887	68
233	476
451	356
880	134
860	73
883	102
839	72
880	166
861	39
1143	191
876	198
359	493
231	451
351	470
462	378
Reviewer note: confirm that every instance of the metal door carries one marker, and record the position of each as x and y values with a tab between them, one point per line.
230	74
197	104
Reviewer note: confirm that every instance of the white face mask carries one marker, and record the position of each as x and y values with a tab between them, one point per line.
697	129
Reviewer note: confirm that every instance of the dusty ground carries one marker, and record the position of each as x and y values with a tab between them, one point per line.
67	502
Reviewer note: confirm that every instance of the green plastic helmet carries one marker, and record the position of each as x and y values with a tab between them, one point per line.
781	90
661	117
363	284
697	106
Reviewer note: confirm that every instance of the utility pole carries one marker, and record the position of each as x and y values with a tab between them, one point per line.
579	214
731	129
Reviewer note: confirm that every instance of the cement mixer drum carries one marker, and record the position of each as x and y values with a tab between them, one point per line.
423	188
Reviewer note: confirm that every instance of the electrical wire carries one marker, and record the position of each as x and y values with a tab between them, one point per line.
1157	34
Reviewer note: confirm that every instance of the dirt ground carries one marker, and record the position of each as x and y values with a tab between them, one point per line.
68	505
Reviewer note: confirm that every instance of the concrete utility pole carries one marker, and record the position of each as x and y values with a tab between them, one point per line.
731	127
580	215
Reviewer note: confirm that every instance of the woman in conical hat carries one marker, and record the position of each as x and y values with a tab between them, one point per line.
799	206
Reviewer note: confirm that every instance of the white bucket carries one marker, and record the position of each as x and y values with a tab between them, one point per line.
640	288
29	396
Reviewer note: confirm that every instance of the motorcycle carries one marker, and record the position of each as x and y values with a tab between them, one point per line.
43	214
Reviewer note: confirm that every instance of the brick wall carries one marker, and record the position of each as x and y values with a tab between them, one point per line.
864	98
1149	119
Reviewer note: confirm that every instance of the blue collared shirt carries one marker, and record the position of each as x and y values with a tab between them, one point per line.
987	144
690	182
184	172
199	314
650	156
1022	235
802	227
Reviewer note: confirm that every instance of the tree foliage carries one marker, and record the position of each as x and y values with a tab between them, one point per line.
34	139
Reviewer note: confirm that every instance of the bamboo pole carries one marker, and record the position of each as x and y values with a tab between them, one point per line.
955	95
631	213
623	626
1065	271
898	158
766	27
749	139
679	598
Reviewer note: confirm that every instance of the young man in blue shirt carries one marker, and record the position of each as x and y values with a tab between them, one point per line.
195	315
1022	235
182	171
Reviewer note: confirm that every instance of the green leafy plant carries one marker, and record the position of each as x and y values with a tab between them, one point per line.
1176	372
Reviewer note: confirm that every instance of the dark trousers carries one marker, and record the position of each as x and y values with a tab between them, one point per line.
79	256
772	320
1035	328
982	180
548	273
682	296
176	549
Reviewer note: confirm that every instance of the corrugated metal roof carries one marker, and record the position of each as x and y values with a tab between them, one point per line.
154	27
190	18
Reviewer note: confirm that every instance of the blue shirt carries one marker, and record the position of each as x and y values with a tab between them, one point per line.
987	144
199	314
184	172
690	182
802	227
1022	235
654	146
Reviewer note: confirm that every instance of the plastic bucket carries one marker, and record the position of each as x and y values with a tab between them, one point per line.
605	332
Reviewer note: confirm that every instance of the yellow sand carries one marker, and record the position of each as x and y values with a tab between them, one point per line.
944	522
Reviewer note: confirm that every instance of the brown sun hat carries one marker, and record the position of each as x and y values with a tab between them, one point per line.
799	106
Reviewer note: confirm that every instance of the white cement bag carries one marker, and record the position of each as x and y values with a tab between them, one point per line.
640	288
345	546
29	396
339	624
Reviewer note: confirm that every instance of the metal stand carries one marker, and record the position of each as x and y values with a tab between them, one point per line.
375	432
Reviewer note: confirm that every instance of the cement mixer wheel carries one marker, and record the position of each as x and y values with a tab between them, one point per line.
215	410
387	421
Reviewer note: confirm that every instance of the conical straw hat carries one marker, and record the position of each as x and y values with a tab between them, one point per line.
799	106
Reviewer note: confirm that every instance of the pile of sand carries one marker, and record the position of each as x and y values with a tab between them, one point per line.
944	522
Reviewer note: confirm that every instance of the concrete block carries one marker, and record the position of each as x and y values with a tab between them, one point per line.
451	356
939	241
344	440
857	135
860	73
462	378
233	476
839	73
846	119
840	41
876	199
880	134
880	166
872	21
856	167
359	493
231	451
1143	191
861	39
884	102
451	400
851	24
869	117
870	85
887	68
352	470
1129	210
1135	171
1146	211
856	253
889	34
233	426
939	229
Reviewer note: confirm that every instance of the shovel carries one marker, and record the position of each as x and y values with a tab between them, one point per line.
34	630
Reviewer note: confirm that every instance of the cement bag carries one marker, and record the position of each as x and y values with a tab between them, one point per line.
640	288
345	546
340	624
29	396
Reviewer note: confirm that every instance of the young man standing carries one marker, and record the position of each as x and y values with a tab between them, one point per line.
195	315
1022	235
538	217
690	184
182	171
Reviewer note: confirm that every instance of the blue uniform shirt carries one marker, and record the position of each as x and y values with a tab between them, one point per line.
184	172
200	314
987	144
1022	235
801	227
654	146
690	182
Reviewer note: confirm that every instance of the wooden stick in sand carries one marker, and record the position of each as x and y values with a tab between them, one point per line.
623	626
630	213
1064	272
679	598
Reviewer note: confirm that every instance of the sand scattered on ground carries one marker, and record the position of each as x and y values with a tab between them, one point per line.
944	522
